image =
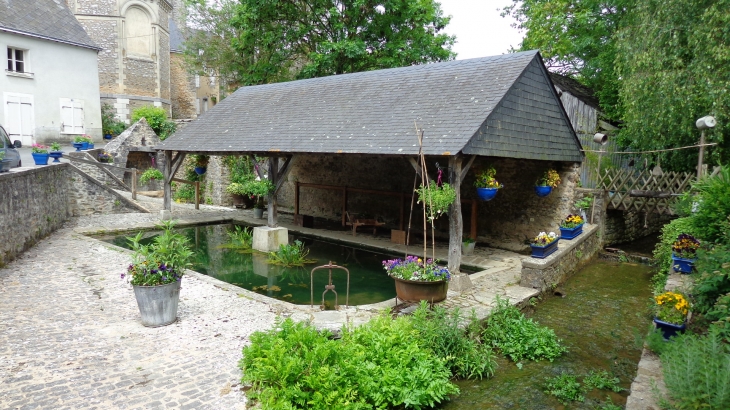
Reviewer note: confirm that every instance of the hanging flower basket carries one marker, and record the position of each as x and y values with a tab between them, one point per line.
543	191
486	194
545	184
486	185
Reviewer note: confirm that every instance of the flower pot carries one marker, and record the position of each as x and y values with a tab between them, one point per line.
544	251
416	291
107	136
258	213
55	155
669	329
682	265
570	233
40	159
486	194
467	248
84	145
543	191
200	170
90	145
158	304
78	145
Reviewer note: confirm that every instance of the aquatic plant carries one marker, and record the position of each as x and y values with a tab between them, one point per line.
294	366
414	268
565	388
239	238
518	337
602	380
458	346
290	255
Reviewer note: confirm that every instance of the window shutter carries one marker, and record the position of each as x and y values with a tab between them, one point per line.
78	114
67	115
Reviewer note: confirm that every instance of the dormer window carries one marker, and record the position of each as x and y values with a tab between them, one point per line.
17	60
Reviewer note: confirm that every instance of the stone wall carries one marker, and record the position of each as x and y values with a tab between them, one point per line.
182	86
140	77
95	7
37	201
164	66
105	35
544	274
627	226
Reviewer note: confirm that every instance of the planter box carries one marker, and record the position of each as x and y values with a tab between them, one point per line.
669	329
570	233
682	265
416	291
544	251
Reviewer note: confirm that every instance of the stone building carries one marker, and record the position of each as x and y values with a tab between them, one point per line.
49	86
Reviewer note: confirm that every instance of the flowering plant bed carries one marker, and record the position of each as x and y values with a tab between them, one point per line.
413	268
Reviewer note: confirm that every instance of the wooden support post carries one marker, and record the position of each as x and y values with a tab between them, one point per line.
197	194
344	206
168	180
456	223
402	211
134	183
473	232
272	209
296	197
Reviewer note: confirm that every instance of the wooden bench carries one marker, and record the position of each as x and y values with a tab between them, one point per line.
354	221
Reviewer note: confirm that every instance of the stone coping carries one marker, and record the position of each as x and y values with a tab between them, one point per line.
564	247
36	169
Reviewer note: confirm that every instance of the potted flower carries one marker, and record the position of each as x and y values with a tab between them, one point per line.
583	204
545	184
106	157
416	280
236	189
40	154
571	227
684	253
156	272
436	199
201	164
486	185
56	152
467	246
83	142
258	189
670	313
544	244
107	134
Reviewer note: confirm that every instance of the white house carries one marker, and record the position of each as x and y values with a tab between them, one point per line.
50	86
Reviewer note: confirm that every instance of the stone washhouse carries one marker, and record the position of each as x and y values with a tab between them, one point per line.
349	142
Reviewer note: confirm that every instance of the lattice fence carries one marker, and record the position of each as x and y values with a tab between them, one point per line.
644	191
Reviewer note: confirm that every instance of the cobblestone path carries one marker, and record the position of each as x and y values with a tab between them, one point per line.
70	336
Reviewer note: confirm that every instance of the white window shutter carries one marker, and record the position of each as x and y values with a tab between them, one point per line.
78	113
13	119
67	115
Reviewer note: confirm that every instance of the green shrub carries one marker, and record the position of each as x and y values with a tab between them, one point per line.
565	387
713	267
184	193
289	255
710	219
697	371
377	365
460	348
109	122
663	249
150	174
518	337
720	313
157	119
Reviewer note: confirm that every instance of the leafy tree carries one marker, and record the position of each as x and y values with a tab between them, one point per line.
576	38
673	59
266	41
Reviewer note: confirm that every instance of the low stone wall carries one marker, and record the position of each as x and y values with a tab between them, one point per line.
627	226
34	202
547	273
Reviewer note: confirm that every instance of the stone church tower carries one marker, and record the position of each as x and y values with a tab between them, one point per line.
134	65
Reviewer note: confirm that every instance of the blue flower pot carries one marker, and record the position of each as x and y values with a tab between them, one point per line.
40	159
669	329
543	191
91	145
78	146
200	170
486	194
55	155
84	145
682	265
107	136
570	233
541	252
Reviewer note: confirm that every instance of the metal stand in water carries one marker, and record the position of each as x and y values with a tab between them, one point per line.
329	285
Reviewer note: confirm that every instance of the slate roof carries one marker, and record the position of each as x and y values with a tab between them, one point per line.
47	19
375	112
579	90
176	37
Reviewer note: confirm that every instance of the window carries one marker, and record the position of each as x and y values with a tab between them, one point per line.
16	60
72	116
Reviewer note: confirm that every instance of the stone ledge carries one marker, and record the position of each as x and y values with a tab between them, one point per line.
564	246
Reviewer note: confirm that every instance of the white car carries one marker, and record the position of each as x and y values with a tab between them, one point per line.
12	156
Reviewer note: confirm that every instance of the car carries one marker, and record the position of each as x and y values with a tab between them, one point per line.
12	156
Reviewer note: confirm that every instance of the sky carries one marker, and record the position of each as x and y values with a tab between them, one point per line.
480	30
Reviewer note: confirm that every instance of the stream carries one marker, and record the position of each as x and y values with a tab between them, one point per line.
602	320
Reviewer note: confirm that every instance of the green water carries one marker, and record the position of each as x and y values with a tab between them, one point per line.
368	281
601	320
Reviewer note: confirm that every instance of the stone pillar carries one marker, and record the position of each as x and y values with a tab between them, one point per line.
273	171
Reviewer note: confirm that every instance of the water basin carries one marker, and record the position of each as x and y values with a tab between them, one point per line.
368	281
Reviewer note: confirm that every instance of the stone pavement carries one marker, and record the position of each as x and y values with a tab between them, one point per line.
70	336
